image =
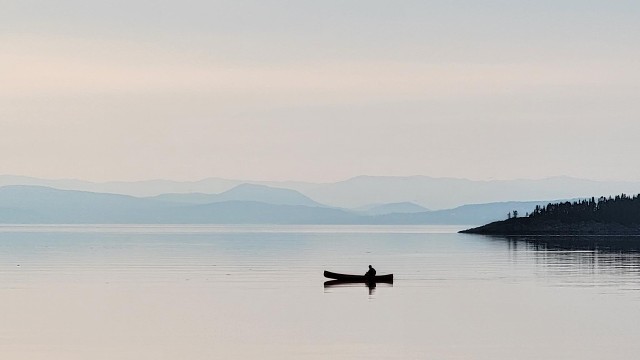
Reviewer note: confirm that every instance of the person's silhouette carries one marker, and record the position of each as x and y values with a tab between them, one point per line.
371	272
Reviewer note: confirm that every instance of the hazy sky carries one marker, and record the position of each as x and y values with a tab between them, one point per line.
319	90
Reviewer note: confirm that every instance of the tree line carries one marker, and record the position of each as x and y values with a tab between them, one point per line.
622	209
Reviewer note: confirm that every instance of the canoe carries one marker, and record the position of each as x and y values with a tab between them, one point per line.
369	284
358	278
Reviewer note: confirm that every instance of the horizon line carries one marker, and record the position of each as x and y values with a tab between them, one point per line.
319	182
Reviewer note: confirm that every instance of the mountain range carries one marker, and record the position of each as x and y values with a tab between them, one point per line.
244	192
243	204
362	191
382	209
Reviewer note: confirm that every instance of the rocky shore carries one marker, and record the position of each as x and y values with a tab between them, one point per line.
532	226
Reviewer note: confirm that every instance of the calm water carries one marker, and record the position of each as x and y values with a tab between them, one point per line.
206	292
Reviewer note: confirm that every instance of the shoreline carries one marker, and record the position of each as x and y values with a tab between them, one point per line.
528	227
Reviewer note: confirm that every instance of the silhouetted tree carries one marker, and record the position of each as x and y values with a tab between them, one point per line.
622	209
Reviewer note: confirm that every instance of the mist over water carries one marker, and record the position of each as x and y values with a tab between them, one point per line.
256	292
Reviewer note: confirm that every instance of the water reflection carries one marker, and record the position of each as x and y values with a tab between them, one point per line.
342	283
228	294
600	261
626	244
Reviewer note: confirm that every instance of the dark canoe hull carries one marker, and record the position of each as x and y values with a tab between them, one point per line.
358	278
369	284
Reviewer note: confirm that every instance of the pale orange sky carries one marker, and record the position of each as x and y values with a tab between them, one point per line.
319	92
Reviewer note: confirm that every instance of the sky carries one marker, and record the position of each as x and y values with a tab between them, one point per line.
319	90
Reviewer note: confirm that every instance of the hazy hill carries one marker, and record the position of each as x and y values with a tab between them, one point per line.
400	208
149	188
462	215
133	188
250	212
32	204
244	192
444	193
188	198
432	193
35	204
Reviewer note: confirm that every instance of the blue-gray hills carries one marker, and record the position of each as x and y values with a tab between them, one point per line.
244	192
399	208
244	204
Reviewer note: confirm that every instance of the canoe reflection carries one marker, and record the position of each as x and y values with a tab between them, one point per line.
346	283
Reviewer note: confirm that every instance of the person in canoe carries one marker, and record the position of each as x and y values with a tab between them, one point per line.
371	273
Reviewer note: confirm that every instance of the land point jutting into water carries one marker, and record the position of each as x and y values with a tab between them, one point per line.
619	215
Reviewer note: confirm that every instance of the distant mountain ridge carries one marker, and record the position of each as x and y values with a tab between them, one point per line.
36	204
244	192
144	188
428	192
381	209
466	214
445	193
42	205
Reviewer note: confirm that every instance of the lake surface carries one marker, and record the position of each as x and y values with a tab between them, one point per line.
256	292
